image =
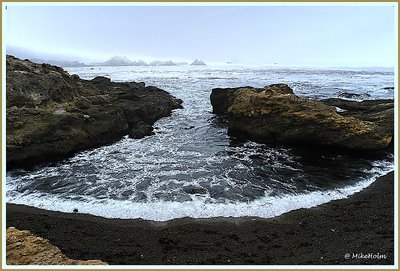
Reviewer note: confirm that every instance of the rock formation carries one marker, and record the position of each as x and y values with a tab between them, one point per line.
51	114
24	248
118	61
273	114
198	62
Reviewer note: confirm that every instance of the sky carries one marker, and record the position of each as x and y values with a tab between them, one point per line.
286	35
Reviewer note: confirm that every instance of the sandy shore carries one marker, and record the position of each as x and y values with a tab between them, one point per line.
359	225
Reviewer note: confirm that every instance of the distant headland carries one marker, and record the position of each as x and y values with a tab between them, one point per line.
117	61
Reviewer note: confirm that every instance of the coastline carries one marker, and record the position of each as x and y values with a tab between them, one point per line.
322	235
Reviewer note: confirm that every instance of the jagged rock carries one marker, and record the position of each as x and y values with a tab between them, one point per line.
24	248
273	114
47	109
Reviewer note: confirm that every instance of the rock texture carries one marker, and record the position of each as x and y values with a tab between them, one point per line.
51	114
380	112
24	248
273	114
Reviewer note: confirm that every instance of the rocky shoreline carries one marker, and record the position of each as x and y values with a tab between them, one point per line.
51	115
322	235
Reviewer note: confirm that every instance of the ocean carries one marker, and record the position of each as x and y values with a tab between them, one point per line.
191	167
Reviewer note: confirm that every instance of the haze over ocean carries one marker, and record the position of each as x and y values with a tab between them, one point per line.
287	35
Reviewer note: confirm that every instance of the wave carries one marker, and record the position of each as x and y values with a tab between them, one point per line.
264	207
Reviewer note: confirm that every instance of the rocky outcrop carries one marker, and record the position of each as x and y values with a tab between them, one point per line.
51	114
380	112
273	114
24	248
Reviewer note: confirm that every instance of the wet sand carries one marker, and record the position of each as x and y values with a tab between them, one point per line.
362	223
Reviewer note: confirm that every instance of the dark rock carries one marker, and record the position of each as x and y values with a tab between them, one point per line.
388	88
273	114
44	114
136	85
83	104
99	100
349	95
191	189
101	80
141	130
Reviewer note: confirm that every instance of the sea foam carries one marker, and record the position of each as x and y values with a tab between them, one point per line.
264	207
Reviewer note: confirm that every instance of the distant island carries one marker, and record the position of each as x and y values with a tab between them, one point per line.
124	61
198	62
116	61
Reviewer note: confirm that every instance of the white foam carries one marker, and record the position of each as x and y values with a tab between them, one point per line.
265	207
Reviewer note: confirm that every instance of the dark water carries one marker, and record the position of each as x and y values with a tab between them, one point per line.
190	167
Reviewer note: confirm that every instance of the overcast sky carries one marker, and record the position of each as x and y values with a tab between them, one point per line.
341	36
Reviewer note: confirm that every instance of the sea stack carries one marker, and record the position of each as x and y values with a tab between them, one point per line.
198	62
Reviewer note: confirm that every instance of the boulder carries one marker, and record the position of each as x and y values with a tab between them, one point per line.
273	114
51	115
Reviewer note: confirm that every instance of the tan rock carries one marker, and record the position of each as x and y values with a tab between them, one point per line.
24	248
273	114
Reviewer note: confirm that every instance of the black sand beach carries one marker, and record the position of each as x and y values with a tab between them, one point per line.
359	225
